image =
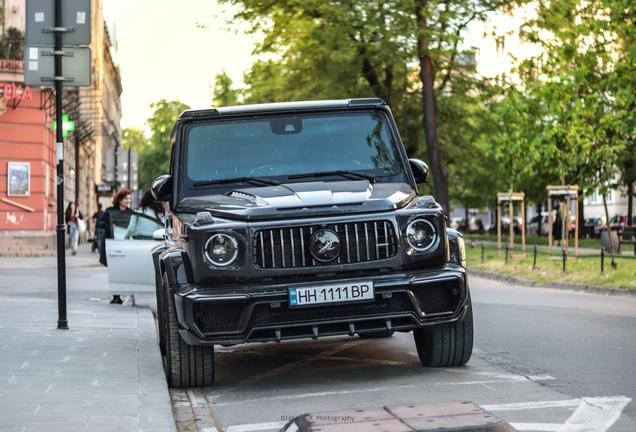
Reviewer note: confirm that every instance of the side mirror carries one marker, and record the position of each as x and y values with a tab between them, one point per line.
159	234
420	170
162	188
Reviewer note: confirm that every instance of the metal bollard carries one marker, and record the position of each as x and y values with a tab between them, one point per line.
602	258
534	263
506	253
482	252
565	257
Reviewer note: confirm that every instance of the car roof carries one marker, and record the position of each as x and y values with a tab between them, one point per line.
283	106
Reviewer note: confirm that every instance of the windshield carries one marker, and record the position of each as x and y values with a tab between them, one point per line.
291	146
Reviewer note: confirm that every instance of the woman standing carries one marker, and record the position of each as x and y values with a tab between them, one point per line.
147	206
71	216
121	202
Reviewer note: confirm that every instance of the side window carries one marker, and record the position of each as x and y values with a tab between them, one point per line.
119	222
141	227
133	226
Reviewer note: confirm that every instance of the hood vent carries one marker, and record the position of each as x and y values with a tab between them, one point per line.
243	196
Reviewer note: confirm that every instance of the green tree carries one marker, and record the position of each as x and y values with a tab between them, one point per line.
222	93
154	159
134	139
571	92
328	49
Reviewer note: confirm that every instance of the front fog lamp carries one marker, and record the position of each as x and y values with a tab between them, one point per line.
221	249
420	234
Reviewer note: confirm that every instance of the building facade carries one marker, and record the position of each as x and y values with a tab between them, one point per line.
28	163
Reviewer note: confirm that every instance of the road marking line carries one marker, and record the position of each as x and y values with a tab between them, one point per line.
596	414
538	427
532	405
593	414
344	392
256	427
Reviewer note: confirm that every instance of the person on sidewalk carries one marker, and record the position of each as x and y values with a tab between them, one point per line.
150	207
121	202
71	217
557	226
99	231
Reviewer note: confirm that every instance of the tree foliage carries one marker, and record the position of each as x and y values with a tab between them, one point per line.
406	52
154	153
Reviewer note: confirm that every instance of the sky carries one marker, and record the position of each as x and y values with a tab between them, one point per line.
162	54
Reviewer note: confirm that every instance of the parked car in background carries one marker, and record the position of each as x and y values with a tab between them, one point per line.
620	221
536	222
593	227
474	226
505	225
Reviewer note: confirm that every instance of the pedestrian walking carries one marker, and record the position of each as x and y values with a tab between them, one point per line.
121	202
99	231
73	217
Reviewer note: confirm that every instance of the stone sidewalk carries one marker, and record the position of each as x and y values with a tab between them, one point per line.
103	374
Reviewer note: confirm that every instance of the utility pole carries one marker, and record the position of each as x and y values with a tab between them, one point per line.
54	31
62	321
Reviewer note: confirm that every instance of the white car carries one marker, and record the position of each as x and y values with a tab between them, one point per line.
130	266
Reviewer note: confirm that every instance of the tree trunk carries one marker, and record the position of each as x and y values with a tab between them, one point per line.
581	220
630	205
440	176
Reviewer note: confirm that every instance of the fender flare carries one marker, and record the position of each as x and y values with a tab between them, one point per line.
457	247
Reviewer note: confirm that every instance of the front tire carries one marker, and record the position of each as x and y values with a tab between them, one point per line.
446	345
185	365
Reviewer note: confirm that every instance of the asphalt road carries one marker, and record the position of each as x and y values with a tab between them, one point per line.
544	360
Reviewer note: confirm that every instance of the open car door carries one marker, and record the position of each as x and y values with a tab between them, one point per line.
130	266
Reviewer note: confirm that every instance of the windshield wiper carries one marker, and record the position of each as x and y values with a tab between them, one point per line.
251	180
342	173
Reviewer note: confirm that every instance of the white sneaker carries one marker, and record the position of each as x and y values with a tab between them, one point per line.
130	301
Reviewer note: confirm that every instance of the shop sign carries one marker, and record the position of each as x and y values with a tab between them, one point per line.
102	189
11	91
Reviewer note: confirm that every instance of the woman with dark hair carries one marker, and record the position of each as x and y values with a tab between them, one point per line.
71	216
149	206
121	202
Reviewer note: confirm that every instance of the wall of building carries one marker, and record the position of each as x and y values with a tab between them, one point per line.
26	136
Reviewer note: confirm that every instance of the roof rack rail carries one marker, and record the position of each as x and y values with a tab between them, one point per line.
199	113
366	102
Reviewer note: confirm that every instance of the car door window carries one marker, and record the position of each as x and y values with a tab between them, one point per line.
133	226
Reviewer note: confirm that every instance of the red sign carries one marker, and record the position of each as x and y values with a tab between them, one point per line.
11	91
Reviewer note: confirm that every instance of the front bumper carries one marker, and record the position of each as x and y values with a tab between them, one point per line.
237	315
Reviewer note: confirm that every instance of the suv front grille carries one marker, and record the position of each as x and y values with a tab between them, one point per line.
289	247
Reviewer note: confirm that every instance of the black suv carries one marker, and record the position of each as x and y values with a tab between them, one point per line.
302	220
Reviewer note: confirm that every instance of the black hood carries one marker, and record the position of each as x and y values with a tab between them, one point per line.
301	199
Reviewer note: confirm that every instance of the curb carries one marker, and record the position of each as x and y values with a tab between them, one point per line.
590	289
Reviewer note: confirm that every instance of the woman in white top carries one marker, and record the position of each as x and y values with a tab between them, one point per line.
149	207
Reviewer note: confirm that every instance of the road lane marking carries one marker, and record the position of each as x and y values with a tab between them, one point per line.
532	405
345	392
537	427
593	414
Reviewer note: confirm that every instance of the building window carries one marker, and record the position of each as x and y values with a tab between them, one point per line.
597	199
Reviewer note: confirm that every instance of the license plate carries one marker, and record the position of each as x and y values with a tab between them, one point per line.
326	294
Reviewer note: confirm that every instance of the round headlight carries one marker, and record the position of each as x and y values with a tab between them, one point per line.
421	234
221	249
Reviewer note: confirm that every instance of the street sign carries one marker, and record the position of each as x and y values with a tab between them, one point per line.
39	66
76	17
